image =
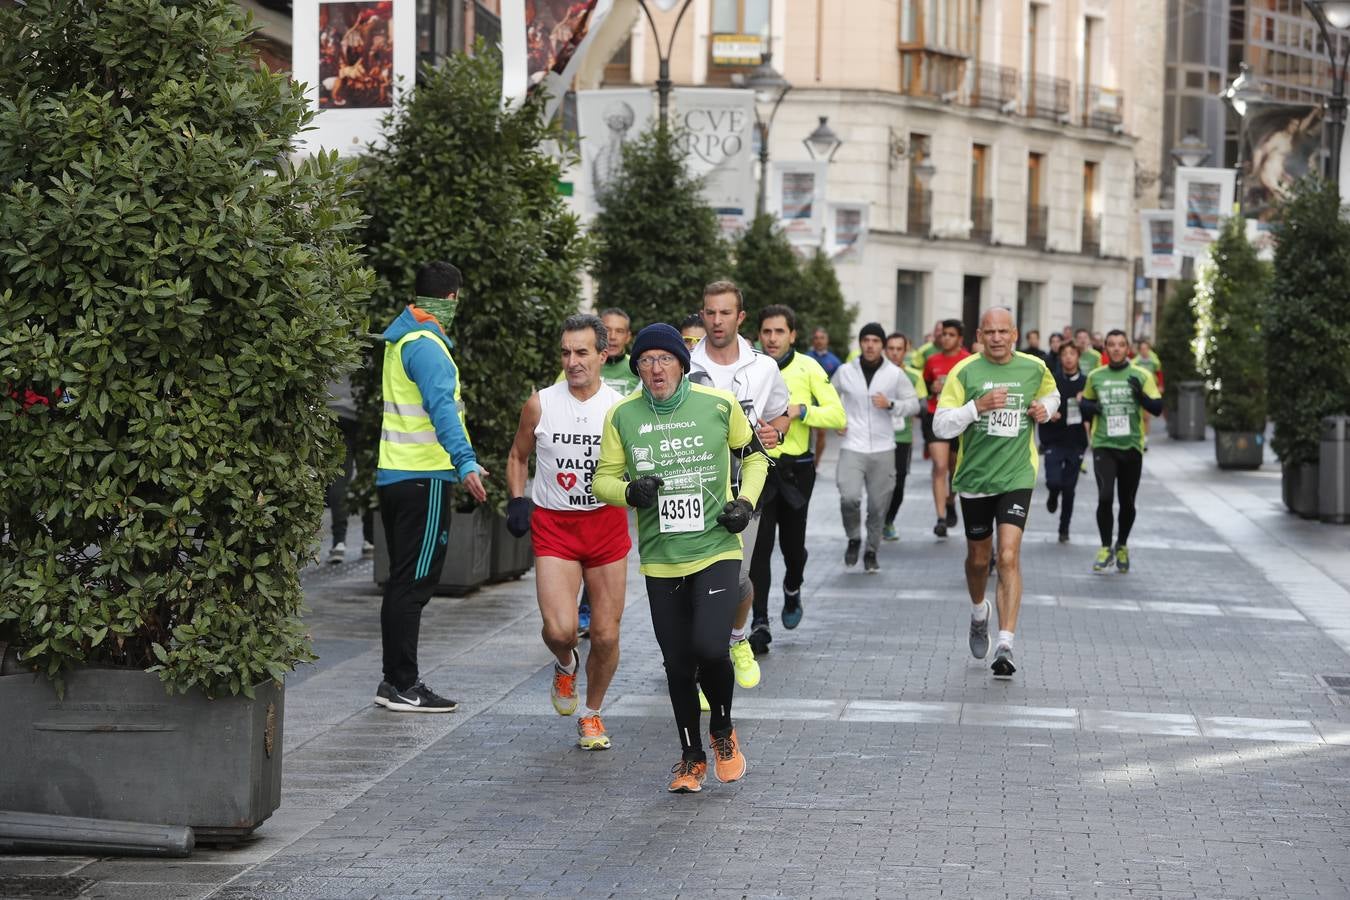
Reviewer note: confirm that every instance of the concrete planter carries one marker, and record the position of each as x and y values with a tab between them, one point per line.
512	557
468	556
1239	449
116	746
1298	484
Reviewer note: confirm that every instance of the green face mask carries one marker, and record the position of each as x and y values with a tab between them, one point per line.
443	308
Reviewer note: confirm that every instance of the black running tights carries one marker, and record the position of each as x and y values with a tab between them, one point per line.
1118	473
692	618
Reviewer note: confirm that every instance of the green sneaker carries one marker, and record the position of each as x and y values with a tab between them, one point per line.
888	533
1102	564
743	661
1122	559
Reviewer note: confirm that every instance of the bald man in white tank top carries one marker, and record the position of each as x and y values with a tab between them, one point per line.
575	536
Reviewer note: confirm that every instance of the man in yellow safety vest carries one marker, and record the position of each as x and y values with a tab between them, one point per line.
424	448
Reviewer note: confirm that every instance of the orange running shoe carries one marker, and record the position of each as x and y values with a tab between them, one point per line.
689	775
591	733
564	687
730	765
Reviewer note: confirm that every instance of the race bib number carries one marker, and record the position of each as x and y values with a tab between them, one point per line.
1117	426
680	513
1004	422
1072	414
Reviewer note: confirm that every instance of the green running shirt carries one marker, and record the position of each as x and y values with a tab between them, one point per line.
1119	425
689	450
905	434
997	453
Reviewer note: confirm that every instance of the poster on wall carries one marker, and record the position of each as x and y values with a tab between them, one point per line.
847	229
543	44
1204	198
715	127
1157	227
797	196
1283	143
351	55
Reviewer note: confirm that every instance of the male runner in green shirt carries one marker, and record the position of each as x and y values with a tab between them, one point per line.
994	398
1116	396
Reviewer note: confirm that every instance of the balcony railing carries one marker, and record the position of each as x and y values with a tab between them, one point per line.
920	218
1102	107
993	87
1038	221
1048	98
981	218
1092	234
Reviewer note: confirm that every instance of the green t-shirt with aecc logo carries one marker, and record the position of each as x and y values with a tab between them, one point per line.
1119	423
997	453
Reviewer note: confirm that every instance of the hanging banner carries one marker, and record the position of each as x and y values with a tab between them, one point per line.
350	57
716	127
543	44
1157	227
1282	144
797	196
846	231
1204	198
606	121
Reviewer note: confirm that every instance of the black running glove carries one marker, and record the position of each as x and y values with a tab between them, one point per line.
736	515
641	494
518	511
1136	388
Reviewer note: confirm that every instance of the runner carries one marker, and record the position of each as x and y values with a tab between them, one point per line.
874	393
726	361
692	330
674	441
897	351
935	371
1145	359
814	403
919	355
1116	394
1065	439
990	398
575	537
1088	357
821	353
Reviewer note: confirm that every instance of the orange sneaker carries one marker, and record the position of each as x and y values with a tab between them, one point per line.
563	691
730	764
689	775
591	733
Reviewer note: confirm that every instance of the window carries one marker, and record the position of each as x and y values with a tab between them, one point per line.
1092	220
938	38
909	304
1028	307
1037	211
981	205
740	34
1084	307
741	17
619	69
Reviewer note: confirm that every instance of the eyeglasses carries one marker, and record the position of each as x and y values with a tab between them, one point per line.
661	359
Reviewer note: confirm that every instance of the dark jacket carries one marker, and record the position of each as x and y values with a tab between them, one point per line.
1060	433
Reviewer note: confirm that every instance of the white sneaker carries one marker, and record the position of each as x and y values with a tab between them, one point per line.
367	550
338	554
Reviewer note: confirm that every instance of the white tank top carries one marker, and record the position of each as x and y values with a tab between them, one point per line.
567	447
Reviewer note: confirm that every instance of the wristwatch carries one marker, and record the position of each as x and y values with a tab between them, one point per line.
782	436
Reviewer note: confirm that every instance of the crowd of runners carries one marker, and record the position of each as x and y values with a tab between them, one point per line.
715	442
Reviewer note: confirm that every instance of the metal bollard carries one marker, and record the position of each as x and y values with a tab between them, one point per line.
1190	411
26	832
1333	471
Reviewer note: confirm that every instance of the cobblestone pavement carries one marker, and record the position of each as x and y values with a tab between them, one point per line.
1170	733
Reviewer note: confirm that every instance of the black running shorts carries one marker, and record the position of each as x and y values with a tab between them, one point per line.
981	513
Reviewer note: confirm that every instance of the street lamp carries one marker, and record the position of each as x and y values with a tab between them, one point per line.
770	88
663	57
1241	96
823	142
1333	14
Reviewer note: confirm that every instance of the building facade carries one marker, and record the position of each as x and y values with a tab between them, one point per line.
1002	147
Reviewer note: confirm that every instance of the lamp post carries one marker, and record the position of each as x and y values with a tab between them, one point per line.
1243	94
823	142
663	56
770	88
1333	14
1190	152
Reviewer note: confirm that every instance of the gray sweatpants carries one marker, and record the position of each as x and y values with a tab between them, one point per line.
876	472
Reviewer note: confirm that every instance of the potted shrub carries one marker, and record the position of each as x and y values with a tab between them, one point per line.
1306	322
1229	301
174	298
460	178
1176	350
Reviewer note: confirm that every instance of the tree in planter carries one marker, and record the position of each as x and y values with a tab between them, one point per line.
1176	342
659	242
1229	301
183	295
1307	319
463	180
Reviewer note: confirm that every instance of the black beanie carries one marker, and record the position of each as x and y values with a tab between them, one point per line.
874	329
659	336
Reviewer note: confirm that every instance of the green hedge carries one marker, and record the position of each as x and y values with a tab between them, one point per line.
1230	303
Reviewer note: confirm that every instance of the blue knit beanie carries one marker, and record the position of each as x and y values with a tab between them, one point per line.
659	336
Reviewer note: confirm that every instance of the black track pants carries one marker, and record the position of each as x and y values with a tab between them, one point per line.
778	514
1118	473
416	517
